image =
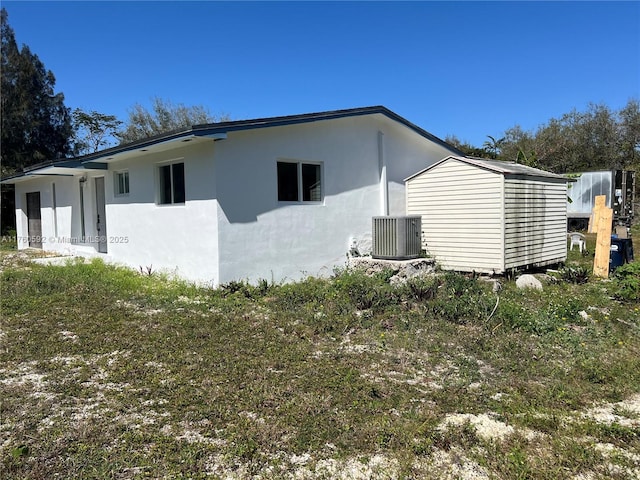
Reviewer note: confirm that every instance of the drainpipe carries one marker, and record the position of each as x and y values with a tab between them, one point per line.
384	186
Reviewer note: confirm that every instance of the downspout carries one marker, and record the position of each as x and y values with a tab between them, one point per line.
384	186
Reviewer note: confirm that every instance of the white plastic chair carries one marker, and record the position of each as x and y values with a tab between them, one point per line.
577	239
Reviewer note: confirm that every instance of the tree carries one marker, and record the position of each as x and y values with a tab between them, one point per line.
93	131
465	147
630	132
164	117
35	125
493	146
518	146
596	139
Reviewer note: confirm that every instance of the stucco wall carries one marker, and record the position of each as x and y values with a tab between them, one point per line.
60	226
406	152
260	237
180	239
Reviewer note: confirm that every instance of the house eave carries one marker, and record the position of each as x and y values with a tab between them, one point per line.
60	168
218	131
173	141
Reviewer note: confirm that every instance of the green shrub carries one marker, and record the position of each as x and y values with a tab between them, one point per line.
9	241
246	289
558	311
295	295
422	288
364	292
385	274
512	314
460	299
626	282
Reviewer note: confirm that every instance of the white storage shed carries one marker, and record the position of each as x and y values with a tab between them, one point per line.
489	216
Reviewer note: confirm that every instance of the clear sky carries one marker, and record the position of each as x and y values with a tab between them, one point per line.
469	69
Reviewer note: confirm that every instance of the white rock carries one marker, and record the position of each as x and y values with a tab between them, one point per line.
584	315
528	281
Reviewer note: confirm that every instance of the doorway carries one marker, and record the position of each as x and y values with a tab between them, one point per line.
34	222
101	216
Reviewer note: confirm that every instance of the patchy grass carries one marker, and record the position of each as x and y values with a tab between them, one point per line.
106	373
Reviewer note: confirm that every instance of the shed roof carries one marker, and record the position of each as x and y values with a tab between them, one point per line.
497	166
218	131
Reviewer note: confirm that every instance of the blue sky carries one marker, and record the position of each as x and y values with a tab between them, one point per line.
469	69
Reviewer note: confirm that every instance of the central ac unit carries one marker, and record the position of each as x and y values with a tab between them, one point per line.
397	238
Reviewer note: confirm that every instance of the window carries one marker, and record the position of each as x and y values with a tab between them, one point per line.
299	182
171	184
287	182
311	191
122	183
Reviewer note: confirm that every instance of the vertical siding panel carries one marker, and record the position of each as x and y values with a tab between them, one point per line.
503	223
461	211
535	222
475	219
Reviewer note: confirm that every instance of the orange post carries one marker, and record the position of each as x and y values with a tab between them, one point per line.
603	243
594	220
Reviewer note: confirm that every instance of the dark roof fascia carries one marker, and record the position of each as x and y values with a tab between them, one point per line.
423	132
147	142
204	130
65	163
312	117
528	176
12	176
208	129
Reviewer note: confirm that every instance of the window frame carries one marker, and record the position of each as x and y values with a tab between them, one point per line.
116	183
160	187
300	181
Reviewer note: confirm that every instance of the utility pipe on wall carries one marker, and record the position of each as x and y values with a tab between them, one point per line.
384	186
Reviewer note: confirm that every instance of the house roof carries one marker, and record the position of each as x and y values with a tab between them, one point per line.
219	131
66	167
497	166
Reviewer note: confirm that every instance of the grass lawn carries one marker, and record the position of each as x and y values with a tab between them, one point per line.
109	373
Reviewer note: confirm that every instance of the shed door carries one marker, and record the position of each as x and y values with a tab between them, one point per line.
34	223
101	217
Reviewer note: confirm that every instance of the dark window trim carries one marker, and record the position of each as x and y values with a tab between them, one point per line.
167	193
300	192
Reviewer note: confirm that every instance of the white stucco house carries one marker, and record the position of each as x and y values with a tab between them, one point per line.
274	198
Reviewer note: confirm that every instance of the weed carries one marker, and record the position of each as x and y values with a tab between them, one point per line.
385	274
422	288
9	241
626	282
577	275
148	270
235	286
107	373
362	291
616	433
461	299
